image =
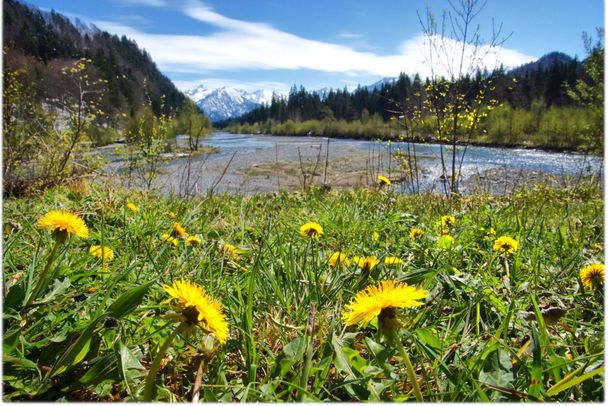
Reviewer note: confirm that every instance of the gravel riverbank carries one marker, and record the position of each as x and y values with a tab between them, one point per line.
262	164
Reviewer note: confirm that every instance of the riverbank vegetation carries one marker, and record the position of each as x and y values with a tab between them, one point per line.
47	142
559	128
506	296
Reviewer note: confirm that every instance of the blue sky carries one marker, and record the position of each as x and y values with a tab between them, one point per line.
274	44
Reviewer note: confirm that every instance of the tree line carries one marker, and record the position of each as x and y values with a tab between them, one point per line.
535	106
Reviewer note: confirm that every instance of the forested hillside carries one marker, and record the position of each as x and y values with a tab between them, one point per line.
68	88
43	43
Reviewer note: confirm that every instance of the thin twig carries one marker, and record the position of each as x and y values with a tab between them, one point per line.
214	185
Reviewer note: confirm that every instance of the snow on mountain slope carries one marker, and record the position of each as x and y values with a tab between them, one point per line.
227	102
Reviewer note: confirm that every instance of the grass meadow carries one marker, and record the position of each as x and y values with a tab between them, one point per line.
517	323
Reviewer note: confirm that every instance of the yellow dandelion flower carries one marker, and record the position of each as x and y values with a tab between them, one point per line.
505	245
593	276
105	253
311	229
415	233
384	180
447	221
197	308
338	259
171	215
168	238
231	251
179	230
490	233
381	299
64	223
193	240
392	261
366	263
132	207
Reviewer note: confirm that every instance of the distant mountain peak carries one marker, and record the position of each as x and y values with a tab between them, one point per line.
226	102
544	62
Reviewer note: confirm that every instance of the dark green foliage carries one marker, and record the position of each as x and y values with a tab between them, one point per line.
588	92
46	42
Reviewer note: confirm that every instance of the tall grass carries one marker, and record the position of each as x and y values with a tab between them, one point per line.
481	335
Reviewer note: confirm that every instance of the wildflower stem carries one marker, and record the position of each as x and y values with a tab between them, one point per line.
309	352
410	369
41	281
196	392
505	264
151	378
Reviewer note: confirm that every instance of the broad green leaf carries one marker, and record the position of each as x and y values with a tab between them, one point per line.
428	336
342	363
59	286
213	234
10	339
128	301
14	298
102	369
20	364
127	361
295	349
355	359
498	372
381	354
76	352
445	242
125	304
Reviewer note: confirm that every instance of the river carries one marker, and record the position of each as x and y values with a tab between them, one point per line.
264	163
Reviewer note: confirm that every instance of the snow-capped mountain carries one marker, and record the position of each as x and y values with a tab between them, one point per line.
227	102
378	85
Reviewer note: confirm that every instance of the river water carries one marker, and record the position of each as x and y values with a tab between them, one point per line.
475	157
250	163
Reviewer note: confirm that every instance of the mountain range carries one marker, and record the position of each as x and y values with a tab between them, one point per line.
227	102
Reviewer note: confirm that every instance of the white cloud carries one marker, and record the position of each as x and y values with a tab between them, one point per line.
241	44
449	58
